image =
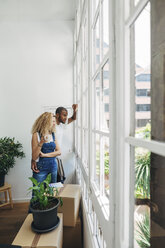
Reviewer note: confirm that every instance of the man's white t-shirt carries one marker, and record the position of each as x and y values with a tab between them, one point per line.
59	134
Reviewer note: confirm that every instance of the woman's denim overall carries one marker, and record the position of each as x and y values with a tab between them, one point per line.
47	165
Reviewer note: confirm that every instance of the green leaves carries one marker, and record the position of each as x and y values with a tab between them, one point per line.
42	192
142	171
106	163
9	150
143	232
142	165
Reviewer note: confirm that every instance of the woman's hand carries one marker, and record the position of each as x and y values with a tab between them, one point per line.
34	166
42	155
42	141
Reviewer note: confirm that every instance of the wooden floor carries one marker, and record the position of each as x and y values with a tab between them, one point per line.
11	220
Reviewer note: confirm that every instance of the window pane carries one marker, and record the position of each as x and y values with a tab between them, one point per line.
97	160
136	2
84	75
95	5
105	45
79	141
96	103
85	36
85	109
149	215
96	44
105	119
142	74
85	148
78	19
78	59
106	166
142	198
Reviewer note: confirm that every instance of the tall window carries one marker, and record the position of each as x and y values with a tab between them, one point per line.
144	156
92	72
120	130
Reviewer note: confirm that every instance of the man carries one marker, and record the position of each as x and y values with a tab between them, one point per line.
61	121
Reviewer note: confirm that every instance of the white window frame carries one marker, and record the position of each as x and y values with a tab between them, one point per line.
97	201
126	142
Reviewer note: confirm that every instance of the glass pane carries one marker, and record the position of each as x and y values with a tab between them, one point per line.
82	2
79	141
106	166
104	245
136	1
96	44
157	203
142	198
149	215
85	74
85	37
79	88
79	110
97	159
78	59
85	110
142	75
105	44
85	149
97	101
91	213
78	19
105	119
95	5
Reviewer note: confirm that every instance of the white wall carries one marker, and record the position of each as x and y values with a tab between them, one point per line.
36	64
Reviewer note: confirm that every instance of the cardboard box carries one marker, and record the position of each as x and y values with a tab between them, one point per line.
70	194
27	238
73	236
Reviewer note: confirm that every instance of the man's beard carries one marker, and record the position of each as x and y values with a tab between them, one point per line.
61	121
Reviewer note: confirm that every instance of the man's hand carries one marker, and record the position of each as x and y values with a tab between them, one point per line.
34	166
75	107
74	116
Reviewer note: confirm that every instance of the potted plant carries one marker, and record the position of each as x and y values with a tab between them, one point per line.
9	150
43	205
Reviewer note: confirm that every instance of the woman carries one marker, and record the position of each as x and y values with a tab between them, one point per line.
44	148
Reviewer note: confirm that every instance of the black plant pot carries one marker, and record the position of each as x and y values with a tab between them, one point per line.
2	180
45	220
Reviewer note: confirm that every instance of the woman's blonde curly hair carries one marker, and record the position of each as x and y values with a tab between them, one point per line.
43	124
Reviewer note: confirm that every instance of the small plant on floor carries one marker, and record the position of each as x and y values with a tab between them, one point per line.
143	232
9	150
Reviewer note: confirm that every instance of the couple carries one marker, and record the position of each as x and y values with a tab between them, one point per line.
47	134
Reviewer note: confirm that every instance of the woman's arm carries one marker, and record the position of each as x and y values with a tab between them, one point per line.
57	152
36	146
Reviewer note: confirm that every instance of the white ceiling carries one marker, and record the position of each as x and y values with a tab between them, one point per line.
33	10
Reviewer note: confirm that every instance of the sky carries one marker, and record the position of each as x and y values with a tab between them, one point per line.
142	38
